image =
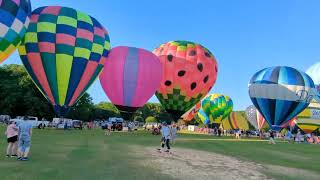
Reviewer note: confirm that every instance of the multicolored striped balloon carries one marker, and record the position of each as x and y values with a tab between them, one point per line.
64	51
280	93
255	118
190	71
236	120
190	115
202	117
217	107
309	120
14	22
130	77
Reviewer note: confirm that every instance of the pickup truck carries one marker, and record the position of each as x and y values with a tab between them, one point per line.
32	120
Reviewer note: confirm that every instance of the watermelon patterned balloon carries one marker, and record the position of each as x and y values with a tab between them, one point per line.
14	22
217	107
189	72
63	51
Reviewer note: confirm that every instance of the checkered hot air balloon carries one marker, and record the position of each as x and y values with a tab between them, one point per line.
189	72
217	107
14	22
280	93
63	51
130	77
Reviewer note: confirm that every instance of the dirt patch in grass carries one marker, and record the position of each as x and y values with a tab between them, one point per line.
194	164
292	173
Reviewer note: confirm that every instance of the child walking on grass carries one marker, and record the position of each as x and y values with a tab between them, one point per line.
165	139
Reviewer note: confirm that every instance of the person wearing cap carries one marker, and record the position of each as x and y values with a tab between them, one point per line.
165	139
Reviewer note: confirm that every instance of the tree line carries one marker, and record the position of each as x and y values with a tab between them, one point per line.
19	96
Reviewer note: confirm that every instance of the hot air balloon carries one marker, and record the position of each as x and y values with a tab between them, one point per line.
130	77
309	120
314	73
217	107
14	22
190	71
63	52
236	120
280	93
255	118
202	117
190	115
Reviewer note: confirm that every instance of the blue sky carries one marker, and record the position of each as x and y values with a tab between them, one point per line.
245	36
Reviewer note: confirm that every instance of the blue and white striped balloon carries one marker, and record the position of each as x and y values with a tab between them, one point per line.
280	93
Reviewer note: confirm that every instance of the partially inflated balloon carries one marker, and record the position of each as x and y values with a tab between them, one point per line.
14	22
130	77
190	71
63	51
309	120
280	93
314	73
217	107
190	115
255	118
236	120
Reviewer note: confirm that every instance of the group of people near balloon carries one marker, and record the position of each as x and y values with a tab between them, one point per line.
65	50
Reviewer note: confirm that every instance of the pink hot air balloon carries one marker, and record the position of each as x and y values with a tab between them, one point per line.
130	77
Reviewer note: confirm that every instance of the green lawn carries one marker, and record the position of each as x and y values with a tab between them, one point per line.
88	154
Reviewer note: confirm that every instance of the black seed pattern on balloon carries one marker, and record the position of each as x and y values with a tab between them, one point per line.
207	54
193	86
205	80
216	68
192	53
181	73
167	83
170	57
200	67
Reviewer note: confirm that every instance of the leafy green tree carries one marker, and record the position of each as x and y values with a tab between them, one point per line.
138	118
151	119
19	96
83	109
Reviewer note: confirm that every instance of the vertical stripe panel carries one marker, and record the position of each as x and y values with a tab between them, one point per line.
130	75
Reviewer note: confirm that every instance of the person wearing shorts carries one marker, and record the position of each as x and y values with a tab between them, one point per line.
25	132
12	138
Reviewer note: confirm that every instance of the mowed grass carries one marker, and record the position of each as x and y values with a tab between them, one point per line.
88	154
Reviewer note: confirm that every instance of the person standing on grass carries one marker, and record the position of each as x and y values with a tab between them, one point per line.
25	132
173	133
12	138
271	140
165	139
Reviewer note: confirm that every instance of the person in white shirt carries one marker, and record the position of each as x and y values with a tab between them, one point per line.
166	136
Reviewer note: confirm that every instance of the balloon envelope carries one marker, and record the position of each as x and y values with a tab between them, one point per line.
255	118
236	120
202	117
190	115
14	22
63	51
309	120
217	107
130	77
190	71
280	93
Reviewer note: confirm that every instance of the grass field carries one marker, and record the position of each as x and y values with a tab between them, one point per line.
88	154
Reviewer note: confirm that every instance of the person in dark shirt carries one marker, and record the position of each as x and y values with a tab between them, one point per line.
271	140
